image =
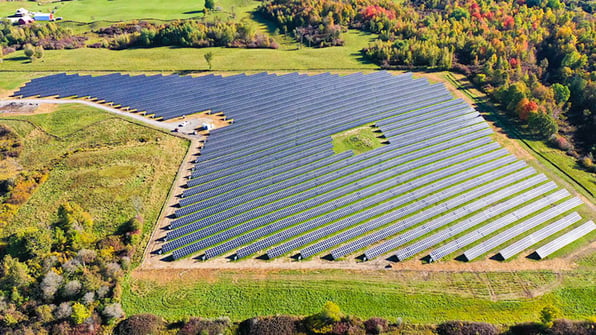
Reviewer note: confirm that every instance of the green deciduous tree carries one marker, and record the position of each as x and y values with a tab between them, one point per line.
80	313
209	4
561	92
29	51
208	58
548	314
38	53
542	124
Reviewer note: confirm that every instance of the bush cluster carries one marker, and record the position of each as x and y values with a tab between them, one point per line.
188	33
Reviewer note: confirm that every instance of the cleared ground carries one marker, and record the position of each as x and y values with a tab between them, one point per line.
357	140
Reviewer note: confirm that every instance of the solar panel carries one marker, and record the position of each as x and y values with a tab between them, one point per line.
487	245
537	236
470	222
565	239
485	230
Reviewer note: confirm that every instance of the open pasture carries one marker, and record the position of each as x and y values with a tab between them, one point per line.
112	167
89	11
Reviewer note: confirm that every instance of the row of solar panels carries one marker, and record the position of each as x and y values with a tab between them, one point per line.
271	179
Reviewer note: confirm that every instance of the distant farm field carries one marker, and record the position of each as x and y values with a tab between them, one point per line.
111	167
105	10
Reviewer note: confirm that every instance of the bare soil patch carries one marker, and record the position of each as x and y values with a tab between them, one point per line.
154	262
26	108
18	108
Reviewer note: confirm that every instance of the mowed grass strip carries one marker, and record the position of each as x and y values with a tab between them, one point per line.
111	167
416	297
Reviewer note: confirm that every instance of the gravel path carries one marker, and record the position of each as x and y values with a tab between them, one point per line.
138	117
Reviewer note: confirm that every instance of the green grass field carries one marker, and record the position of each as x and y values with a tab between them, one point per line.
107	10
110	166
417	297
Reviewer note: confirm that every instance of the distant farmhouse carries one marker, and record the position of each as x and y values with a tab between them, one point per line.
23	16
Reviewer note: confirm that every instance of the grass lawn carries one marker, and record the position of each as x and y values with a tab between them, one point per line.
358	140
121	10
416	297
110	166
189	59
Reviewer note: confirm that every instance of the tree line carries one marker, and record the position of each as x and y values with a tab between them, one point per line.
180	33
330	320
184	33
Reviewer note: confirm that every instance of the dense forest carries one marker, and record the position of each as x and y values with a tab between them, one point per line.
537	58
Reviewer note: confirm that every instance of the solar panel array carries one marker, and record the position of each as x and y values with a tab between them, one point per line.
270	183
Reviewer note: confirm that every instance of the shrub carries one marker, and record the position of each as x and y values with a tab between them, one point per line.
71	289
199	326
528	328
567	327
273	325
80	313
323	321
347	327
113	311
375	325
466	328
10	143
561	142
548	314
587	162
50	285
140	324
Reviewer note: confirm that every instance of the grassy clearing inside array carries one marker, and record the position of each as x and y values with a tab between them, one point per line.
358	140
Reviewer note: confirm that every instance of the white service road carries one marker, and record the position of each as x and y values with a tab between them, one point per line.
170	126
